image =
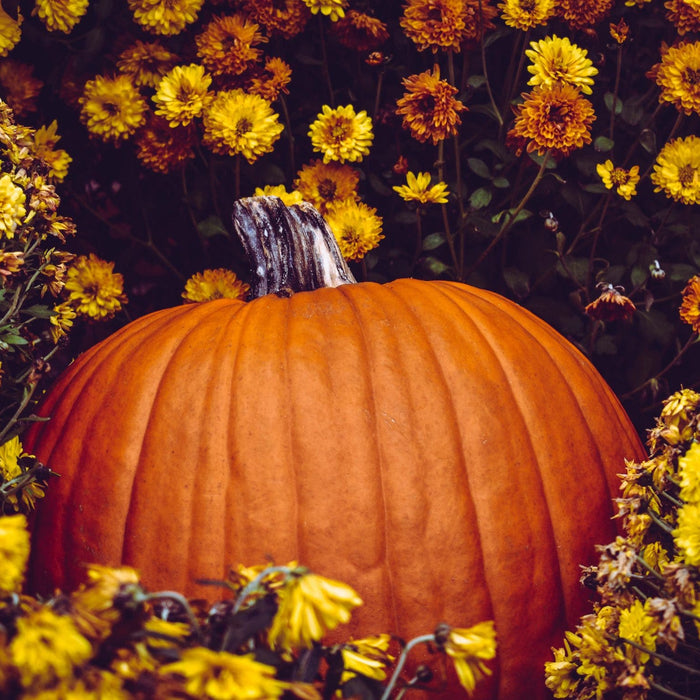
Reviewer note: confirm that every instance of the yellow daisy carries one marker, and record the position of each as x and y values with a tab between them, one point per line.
58	160
526	14
341	135
60	15
12	206
214	284
288	198
419	189
326	184
10	31
333	9
182	94
624	181
677	76
557	60
356	228
95	290
165	17
677	170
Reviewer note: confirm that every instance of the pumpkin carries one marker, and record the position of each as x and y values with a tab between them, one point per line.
434	445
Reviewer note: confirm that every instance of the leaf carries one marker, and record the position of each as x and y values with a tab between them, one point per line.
10	338
480	198
639	275
437	267
476	165
610	99
379	186
680	272
433	240
518	281
212	226
500	182
603	144
476	81
647	139
522	215
39	311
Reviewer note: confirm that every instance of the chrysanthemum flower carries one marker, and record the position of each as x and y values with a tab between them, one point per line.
555	118
429	107
11	262
419	189
526	14
611	305
10	32
61	320
112	108
687	533
60	15
677	170
58	160
20	86
272	80
360	31
146	62
236	122
638	626
95	290
624	181
288	198
356	228
165	17
341	135
469	649
684	14
619	30
560	675
690	306
333	9
367	657
557	60
227	45
10	454
182	94
14	552
285	18
163	148
678	76
214	284
579	14
478	20
12	206
326	184
689	463
435	24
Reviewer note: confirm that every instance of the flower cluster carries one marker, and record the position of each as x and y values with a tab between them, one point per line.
113	638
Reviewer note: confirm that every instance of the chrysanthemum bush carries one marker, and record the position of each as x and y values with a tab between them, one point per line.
112	638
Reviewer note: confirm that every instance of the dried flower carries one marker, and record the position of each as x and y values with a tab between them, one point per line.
611	305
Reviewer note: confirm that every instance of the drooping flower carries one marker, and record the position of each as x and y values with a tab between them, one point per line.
12	206
556	60
560	675
326	184
236	122
10	32
214	284
419	189
163	148
288	198
469	649
11	262
367	657
341	135
555	118
611	305
333	9
579	14
285	18
684	14
429	107
272	80
435	24
619	31
678	76
360	31
11	452
146	62
182	94
309	606
624	181
228	45
14	552
526	14
112	108
677	170
165	17
19	86
61	320
58	160
356	228
60	15
690	306
95	290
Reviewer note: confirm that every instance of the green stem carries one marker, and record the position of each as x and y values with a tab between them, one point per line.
251	586
183	602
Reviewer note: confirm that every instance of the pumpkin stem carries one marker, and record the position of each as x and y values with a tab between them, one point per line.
290	249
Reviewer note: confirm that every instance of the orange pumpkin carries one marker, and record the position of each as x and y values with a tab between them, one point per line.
435	446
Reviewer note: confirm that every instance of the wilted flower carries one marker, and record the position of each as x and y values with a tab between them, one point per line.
20	87
469	649
367	657
163	148
360	31
611	305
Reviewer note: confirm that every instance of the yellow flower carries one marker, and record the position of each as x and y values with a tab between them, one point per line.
636	625
95	290
684	14
112	108
677	170
236	122
526	14
60	15
288	198
560	675
165	634
341	135
309	606
429	107
333	9
356	228
435	24
146	62
11	453
214	284
47	647
677	76
469	648
368	657
45	140
182	94
624	181
686	535
12	209
14	552
690	306
689	471
557	60
418	189
219	675
165	17
10	31
326	184
61	320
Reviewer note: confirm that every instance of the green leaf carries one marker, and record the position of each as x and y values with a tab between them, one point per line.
476	165
522	215
647	139
609	98
437	267
501	182
603	144
39	311
480	198
433	240
680	272
13	339
379	186
517	280
212	226
638	275
476	81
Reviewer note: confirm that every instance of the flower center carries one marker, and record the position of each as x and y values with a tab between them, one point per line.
691	76
686	175
527	5
242	126
327	188
618	176
340	130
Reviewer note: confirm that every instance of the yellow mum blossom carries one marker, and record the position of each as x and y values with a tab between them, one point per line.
14	552
327	184
356	228
636	625
677	170
10	32
236	122
61	320
146	62
60	15
12	206
560	675
624	181
341	135
47	647
45	140
686	535
367	657
214	284
526	14
333	9
435	24
418	189
95	290
11	452
165	17
309	606
183	94
690	306
677	76
689	471
556	60
469	648
112	108
288	198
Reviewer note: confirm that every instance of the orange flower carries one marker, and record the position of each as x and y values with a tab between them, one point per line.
611	305
272	80
579	14
619	31
162	148
285	18
435	24
429	107
677	76
360	31
690	306
685	14
325	184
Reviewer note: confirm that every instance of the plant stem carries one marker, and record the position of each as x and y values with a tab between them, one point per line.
402	660
496	112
